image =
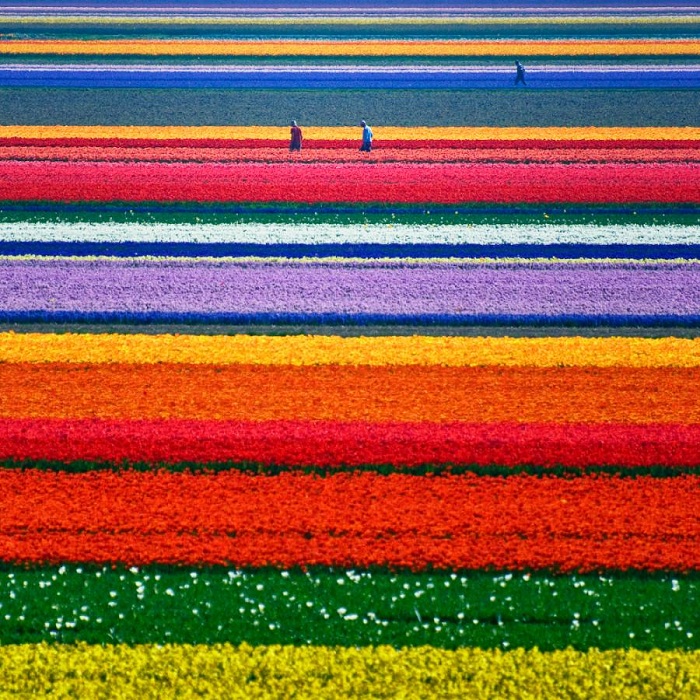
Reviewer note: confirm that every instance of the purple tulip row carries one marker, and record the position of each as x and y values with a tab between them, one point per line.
387	288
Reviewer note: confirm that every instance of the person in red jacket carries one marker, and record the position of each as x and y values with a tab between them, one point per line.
297	137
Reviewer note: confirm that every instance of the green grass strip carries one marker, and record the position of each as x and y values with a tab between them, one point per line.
429	215
84	466
352	608
398	29
260	106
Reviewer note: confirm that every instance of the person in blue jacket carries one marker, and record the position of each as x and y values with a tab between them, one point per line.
366	137
519	73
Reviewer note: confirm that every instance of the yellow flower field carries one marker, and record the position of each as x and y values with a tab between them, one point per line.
272	672
387	133
305	350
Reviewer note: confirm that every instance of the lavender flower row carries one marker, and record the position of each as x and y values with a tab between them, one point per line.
393	289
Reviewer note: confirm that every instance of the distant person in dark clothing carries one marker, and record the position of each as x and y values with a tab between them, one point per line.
520	73
367	137
297	137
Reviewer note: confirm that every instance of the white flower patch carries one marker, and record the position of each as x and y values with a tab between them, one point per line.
344	233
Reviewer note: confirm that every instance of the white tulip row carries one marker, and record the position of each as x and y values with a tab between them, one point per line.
332	233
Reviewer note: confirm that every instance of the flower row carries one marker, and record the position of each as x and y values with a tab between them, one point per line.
404	253
271	672
323	141
461	291
268	446
305	350
380	394
287	319
416	522
155	604
446	183
344	77
208	47
632	136
615	238
315	152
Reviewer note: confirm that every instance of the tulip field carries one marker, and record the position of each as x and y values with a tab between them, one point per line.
422	421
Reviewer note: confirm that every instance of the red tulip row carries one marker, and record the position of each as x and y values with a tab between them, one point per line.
329	443
360	182
417	522
235	154
314	144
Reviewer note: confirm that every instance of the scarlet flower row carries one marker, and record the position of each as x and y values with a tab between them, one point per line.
332	182
333	444
390	154
462	522
314	144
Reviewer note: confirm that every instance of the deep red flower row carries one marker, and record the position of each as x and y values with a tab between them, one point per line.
331	182
461	522
313	144
330	443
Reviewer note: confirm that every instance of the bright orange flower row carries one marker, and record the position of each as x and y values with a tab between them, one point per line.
383	133
364	519
348	393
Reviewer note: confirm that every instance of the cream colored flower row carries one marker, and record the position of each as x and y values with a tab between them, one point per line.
386	133
224	671
333	350
315	234
307	260
277	20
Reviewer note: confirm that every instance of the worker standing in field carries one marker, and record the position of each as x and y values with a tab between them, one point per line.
519	73
296	137
367	137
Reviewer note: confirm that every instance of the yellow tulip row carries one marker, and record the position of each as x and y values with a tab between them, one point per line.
360	351
225	671
387	133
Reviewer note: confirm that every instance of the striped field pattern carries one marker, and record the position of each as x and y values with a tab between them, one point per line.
420	421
